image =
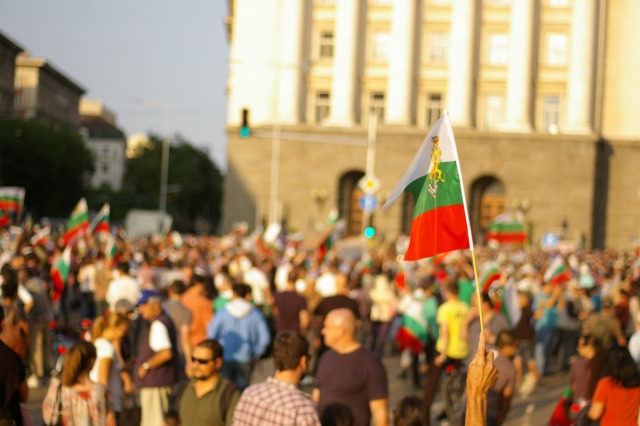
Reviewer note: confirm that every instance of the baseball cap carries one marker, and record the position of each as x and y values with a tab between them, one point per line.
145	295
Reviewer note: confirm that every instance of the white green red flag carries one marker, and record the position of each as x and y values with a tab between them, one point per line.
557	272
412	333
41	237
12	201
60	272
78	223
100	224
507	228
490	274
112	247
5	220
508	303
440	221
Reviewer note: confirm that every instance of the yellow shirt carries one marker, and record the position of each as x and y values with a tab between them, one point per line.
453	314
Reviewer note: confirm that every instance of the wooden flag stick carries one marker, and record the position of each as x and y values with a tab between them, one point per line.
475	273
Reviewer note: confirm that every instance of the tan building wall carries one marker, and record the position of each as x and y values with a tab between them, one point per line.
8	52
554	173
575	159
44	93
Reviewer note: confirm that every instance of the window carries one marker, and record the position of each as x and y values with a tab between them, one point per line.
377	104
492	111
329	2
326	45
380	48
550	114
434	108
323	106
498	49
105	168
440	2
556	49
438	48
498	2
381	2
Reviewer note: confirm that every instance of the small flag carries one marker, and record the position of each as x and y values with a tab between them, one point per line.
100	224
60	273
440	221
507	227
41	237
112	247
12	201
78	223
412	333
557	272
5	220
490	274
510	305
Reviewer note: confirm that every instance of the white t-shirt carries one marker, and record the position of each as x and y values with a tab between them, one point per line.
259	285
122	288
159	337
105	350
634	347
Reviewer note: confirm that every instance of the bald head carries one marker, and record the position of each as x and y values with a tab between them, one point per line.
343	318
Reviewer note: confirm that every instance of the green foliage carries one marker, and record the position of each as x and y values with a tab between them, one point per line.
54	166
194	183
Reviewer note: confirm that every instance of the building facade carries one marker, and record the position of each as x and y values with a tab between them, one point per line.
45	93
540	94
107	143
8	53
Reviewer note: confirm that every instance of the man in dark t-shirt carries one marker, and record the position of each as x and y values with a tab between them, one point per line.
13	384
291	308
362	382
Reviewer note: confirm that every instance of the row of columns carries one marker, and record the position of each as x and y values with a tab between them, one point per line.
462	46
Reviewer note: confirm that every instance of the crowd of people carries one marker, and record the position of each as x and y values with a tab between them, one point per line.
169	333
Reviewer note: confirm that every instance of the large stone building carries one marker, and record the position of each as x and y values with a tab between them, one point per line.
45	93
541	94
8	52
106	141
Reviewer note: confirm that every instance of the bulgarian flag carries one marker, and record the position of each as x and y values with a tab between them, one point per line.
557	272
508	303
5	220
112	247
60	272
78	223
440	221
507	227
12	201
490	274
413	330
100	224
41	237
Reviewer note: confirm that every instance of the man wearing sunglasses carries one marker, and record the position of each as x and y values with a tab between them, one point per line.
209	398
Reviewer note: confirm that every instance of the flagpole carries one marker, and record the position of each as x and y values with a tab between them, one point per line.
475	273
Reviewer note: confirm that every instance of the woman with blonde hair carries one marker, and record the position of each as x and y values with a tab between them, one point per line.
108	369
74	399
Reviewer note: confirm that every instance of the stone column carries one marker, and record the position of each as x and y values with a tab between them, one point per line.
290	61
343	87
581	68
401	66
461	48
519	84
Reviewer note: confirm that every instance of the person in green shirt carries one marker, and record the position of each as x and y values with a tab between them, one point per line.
209	398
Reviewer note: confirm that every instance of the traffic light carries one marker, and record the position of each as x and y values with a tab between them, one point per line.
370	232
245	130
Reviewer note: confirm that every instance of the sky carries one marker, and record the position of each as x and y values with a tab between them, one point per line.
140	57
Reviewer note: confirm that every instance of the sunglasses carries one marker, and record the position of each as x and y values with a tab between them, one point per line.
201	361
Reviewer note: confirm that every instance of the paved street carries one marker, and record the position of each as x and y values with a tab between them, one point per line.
534	411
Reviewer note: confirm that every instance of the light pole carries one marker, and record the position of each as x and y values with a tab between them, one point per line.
164	161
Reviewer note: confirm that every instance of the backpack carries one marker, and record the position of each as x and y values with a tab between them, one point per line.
15	334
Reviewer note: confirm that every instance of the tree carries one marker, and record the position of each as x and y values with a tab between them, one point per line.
54	166
194	183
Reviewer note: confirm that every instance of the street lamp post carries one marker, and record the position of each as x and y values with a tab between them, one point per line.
164	161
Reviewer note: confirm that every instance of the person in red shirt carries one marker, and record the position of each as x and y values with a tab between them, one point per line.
616	400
